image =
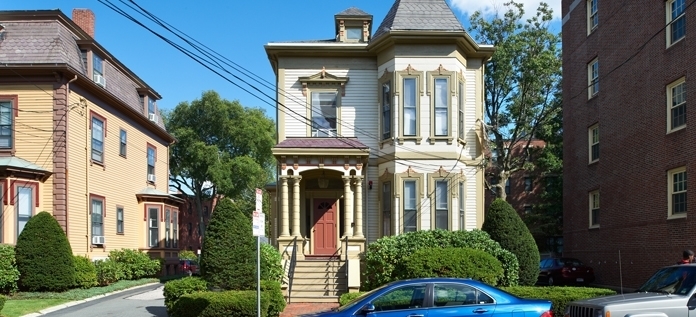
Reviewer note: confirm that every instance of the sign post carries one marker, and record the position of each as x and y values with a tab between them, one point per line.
258	224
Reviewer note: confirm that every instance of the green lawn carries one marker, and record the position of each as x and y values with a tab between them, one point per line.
19	307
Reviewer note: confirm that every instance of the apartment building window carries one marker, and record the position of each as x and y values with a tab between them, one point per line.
119	220
592	16
167	228
98	132
151	158
386	208
676	99
441	204
175	229
677	191
410	221
324	114
153	227
97	212
527	184
507	186
593	135
460	106
123	138
386	110
24	205
593	78
441	105
7	117
594	208
410	108
462	207
676	20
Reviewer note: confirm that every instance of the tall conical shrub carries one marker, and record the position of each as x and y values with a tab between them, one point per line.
44	257
228	257
506	227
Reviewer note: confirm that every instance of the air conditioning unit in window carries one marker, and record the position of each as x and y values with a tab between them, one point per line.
153	117
151	178
100	80
98	240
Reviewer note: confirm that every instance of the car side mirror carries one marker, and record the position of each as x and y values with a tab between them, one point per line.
368	308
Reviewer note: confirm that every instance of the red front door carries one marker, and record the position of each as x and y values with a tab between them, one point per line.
324	226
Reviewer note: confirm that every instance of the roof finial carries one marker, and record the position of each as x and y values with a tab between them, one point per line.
323	71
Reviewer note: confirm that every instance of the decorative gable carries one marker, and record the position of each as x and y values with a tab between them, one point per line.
323	78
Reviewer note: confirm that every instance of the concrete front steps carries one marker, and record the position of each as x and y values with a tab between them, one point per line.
318	280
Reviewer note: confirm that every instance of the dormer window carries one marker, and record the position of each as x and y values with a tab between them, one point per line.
354	33
98	70
353	25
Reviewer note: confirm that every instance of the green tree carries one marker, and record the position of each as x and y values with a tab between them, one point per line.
228	257
521	80
506	227
44	257
222	148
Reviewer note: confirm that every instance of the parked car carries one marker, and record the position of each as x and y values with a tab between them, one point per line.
669	292
558	271
190	267
434	297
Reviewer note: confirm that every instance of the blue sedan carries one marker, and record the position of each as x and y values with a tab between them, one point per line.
431	297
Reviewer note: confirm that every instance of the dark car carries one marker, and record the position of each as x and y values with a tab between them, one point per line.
558	271
189	267
434	297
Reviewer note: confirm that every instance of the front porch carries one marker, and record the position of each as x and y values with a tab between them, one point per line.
320	202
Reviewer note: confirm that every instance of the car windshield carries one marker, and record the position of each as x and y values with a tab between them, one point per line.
671	280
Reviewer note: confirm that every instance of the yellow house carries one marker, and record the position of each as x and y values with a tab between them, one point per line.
81	138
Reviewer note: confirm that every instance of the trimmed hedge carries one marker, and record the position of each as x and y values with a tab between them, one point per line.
271	267
384	258
108	271
560	296
134	264
348	297
174	289
44	257
506	227
454	262
188	255
276	300
8	270
214	304
85	272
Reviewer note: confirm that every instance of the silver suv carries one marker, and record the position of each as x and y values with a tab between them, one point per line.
669	292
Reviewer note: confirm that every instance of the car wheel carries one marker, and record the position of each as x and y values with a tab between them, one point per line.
550	282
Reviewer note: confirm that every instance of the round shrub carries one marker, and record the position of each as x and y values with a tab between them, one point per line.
454	262
135	264
8	269
506	227
228	256
384	258
276	299
188	255
174	289
85	272
214	304
44	257
108	271
271	267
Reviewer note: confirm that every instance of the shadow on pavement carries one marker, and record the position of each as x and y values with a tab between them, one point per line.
158	311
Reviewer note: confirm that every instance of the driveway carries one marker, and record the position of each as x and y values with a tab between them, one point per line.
142	302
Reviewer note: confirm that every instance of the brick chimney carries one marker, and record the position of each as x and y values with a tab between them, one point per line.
84	18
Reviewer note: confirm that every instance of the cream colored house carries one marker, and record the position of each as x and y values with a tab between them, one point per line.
378	134
81	138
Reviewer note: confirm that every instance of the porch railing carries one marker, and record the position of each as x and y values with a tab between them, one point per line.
291	271
346	258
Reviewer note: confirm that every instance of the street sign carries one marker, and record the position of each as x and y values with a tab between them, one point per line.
258	223
259	200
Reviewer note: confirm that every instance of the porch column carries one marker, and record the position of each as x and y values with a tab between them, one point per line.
284	213
296	205
348	204
358	207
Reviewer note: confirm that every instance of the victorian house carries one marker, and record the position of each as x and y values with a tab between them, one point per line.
378	134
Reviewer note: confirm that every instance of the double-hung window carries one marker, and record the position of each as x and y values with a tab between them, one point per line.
441	105
594	143
593	78
24	206
460	106
410	222
97	69
153	227
410	107
97	139
97	217
119	220
123	141
175	229
441	204
462	206
386	110
592	16
677	191
594	208
676	20
323	114
151	158
150	105
7	123
167	229
676	99
386	208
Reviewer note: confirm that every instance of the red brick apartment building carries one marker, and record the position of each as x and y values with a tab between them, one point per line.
189	231
625	69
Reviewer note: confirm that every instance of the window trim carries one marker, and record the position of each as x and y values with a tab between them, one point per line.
386	177
592	80
409	72
386	79
451	77
591	208
591	143
310	113
670	192
451	178
149	146
590	16
670	95
398	189
92	199
122	211
147	208
123	142
461	107
14	106
93	115
669	22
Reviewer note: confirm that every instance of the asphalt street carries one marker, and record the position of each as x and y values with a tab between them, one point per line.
142	302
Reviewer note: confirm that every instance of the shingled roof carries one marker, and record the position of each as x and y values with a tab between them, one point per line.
353	11
419	15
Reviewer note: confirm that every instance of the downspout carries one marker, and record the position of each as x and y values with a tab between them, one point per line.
67	106
87	163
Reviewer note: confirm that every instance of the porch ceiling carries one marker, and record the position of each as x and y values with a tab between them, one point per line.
321	146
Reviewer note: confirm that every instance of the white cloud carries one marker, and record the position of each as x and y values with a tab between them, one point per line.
491	6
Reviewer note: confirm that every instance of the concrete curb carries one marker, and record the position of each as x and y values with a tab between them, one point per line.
78	302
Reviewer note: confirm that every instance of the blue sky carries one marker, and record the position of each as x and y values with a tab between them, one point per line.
236	29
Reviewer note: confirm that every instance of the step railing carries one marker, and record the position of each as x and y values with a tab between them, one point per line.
291	271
